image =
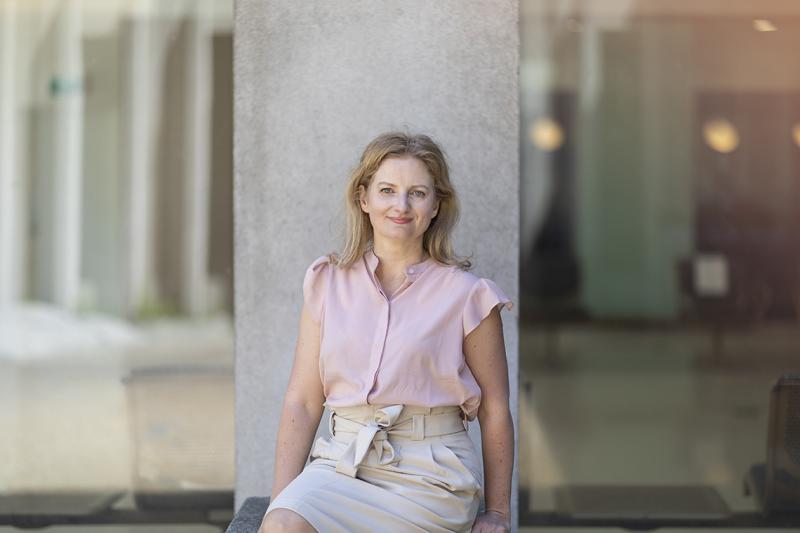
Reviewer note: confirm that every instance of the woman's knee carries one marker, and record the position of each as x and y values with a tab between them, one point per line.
285	521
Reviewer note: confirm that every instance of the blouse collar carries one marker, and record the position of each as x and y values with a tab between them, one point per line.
412	271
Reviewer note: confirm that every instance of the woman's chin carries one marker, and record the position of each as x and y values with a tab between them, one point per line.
399	235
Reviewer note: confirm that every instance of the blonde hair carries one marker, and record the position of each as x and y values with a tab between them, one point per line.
437	238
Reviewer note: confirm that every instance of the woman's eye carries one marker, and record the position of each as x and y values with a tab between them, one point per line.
420	194
386	189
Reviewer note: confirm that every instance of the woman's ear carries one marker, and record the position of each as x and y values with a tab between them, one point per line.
361	198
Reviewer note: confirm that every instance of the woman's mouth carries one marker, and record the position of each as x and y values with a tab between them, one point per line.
400	220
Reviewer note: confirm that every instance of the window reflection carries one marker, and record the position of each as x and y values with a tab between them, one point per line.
116	380
660	270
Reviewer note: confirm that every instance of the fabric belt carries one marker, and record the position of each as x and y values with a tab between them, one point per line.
389	421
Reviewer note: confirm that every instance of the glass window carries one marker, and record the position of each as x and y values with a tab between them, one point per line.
116	336
660	264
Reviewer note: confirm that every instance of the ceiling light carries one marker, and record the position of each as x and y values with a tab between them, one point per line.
764	25
720	135
546	134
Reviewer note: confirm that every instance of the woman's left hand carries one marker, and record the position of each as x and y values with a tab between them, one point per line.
491	522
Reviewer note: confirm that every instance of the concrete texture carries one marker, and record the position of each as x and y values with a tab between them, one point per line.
313	84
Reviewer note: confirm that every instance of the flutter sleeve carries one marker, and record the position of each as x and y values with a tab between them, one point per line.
484	296
315	286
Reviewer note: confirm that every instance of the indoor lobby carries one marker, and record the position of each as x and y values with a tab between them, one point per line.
658	304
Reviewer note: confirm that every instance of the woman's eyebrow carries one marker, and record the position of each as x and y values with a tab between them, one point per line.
393	185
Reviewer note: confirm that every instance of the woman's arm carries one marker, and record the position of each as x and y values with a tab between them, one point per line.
485	354
302	406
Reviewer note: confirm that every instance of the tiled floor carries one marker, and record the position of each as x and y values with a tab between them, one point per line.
154	414
105	418
610	407
615	407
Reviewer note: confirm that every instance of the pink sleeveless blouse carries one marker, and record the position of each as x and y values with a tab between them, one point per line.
407	349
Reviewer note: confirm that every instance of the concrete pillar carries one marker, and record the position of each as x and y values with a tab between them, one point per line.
197	131
136	163
67	86
9	179
314	82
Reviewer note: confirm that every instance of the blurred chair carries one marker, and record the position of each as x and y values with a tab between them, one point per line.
552	281
723	292
776	483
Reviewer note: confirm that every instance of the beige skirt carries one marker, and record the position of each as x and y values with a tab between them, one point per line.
389	468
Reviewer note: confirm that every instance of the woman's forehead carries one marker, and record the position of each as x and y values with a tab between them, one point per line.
403	169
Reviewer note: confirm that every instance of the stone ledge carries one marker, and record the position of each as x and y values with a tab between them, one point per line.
248	518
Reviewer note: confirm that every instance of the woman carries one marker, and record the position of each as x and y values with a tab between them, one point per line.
404	346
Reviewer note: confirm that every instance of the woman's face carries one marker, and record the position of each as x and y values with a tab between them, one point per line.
400	199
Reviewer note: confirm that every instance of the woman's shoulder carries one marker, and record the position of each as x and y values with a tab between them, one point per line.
457	273
331	262
317	272
315	284
467	281
476	295
321	262
454	279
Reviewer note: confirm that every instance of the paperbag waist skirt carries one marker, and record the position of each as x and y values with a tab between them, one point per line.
389	468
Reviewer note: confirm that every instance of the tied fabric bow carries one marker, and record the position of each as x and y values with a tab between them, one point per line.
357	449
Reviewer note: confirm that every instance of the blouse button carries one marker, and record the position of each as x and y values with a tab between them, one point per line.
410	270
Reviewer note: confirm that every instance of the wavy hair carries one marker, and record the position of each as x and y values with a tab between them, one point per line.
437	240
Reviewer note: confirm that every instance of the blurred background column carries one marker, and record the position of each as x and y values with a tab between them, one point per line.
136	163
10	285
67	91
194	292
634	216
314	83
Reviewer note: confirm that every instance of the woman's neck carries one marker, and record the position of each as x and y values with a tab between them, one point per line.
393	262
398	258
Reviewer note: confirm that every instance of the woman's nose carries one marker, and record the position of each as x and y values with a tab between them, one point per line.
402	202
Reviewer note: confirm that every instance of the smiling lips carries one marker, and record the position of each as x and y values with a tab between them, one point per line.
400	220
